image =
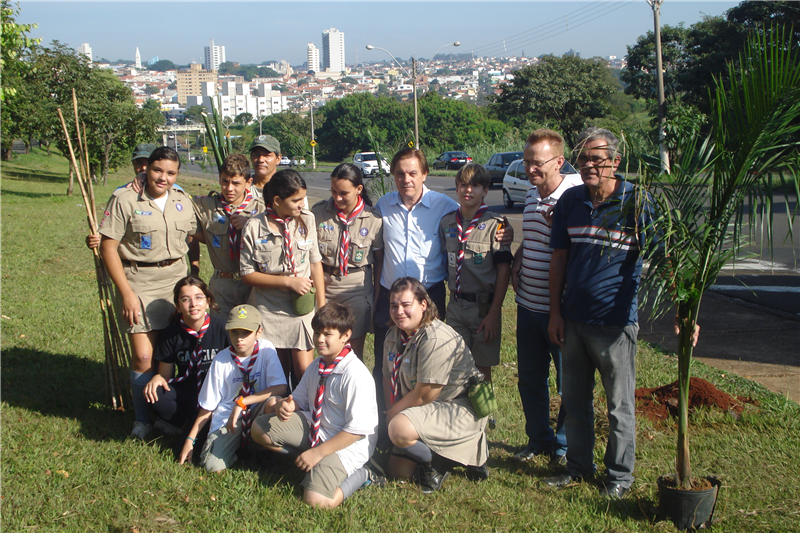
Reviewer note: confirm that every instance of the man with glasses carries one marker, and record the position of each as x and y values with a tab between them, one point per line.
597	241
543	158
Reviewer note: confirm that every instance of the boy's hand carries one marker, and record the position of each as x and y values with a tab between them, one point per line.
285	408
92	241
299	285
131	308
239	220
308	459
186	452
234	418
505	234
490	326
138	182
151	389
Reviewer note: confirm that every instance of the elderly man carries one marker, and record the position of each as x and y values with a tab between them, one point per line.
543	158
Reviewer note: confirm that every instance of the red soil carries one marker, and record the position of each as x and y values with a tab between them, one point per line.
662	402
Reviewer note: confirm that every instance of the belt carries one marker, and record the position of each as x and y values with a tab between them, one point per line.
160	264
334	271
227	275
471	296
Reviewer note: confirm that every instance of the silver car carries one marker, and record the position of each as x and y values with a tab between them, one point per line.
516	184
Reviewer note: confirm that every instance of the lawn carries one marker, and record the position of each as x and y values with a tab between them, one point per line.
67	464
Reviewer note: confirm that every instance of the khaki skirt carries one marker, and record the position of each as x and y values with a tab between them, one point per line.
356	291
281	326
452	430
153	286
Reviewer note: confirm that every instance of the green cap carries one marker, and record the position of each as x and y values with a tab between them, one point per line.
143	151
244	317
267	142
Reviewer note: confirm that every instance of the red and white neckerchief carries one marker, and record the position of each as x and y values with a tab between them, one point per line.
196	357
233	233
344	248
394	379
463	235
247	389
287	239
316	414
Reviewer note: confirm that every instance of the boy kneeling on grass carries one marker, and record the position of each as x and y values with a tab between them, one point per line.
245	378
331	418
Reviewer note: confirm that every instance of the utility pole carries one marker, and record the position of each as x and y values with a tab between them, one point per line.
662	108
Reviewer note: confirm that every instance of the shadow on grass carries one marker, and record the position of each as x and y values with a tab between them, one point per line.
65	386
26	175
7	192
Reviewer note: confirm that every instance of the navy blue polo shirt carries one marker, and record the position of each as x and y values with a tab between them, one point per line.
604	244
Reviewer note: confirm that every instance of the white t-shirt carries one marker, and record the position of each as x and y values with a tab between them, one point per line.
349	404
223	381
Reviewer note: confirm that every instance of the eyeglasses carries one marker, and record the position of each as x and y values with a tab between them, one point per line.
536	164
595	160
198	299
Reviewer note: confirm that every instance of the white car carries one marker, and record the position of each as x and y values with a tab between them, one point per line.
516	184
368	163
285	161
298	162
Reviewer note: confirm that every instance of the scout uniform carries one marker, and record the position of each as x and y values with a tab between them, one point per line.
262	251
437	354
152	249
356	289
226	284
478	274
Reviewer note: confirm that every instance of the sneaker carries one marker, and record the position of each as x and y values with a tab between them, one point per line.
375	474
141	430
527	454
166	428
429	479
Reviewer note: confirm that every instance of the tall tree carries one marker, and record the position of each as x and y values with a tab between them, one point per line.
563	92
639	75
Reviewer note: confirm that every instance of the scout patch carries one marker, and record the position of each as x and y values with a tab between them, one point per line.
301	230
363	232
179	207
146	242
359	255
391	356
242	313
254	212
451	259
143	213
482	226
215	242
477	259
222	219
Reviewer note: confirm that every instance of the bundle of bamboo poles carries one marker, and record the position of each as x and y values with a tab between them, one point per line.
117	351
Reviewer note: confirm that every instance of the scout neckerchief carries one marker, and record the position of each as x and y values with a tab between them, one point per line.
233	234
398	361
344	248
324	372
247	389
196	357
287	238
463	235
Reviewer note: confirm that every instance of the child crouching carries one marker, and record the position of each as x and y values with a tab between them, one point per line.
331	417
242	380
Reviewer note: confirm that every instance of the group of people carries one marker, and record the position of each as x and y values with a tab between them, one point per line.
233	362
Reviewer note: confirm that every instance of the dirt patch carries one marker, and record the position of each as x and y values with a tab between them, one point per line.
662	402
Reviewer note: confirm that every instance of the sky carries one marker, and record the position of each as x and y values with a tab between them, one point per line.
253	32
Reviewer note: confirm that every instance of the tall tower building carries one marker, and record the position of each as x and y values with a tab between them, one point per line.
190	81
215	55
138	58
86	50
333	50
313	57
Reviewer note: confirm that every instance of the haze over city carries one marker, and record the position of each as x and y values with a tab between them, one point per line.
254	32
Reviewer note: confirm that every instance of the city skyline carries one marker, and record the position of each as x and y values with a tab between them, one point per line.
590	28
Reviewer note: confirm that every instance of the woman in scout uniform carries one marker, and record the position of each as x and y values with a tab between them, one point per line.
350	237
426	371
280	260
143	246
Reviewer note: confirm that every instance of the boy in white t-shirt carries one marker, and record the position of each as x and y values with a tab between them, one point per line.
337	434
244	378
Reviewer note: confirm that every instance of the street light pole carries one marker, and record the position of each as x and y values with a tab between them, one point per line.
313	140
662	107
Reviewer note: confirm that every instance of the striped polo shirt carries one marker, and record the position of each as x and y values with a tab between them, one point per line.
533	291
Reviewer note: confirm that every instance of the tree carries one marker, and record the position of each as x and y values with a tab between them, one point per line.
195	113
640	73
564	92
163	65
244	118
150	89
14	44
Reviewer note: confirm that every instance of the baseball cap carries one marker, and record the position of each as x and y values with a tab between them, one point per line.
143	151
244	317
267	142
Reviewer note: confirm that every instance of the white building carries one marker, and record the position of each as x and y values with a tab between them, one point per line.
313	57
215	55
138	59
86	50
332	50
236	98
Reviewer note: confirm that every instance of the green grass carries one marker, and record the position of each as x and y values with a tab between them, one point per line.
68	466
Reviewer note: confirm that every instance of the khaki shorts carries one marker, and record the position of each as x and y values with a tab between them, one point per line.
219	451
464	317
327	475
154	287
228	293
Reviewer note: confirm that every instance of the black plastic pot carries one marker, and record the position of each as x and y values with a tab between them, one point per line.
688	509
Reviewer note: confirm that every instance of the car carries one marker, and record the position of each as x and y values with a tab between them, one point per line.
451	160
285	161
516	184
498	164
298	162
368	163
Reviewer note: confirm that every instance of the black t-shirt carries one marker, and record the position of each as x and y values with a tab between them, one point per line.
176	346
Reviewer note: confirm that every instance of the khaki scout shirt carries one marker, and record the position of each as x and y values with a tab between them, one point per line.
366	235
437	354
145	233
478	271
213	221
262	246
